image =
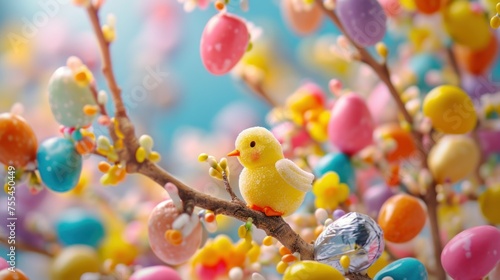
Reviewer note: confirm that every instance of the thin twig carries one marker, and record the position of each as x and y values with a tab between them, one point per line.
229	190
258	90
453	61
95	94
27	248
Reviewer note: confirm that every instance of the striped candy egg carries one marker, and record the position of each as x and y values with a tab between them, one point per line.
67	99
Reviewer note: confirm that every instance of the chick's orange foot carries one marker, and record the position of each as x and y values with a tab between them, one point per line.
268	211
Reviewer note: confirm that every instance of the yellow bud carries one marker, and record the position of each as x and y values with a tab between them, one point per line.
495	21
268	241
147	142
202	157
154	157
281	267
215	173
381	49
345	261
140	155
109	33
223	163
242	231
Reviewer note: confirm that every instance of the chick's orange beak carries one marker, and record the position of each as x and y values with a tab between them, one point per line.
234	153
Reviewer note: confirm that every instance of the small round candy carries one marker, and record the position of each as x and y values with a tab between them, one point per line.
301	21
402	217
450	109
72	262
18	142
472	254
160	220
155	272
354	234
78	226
223	43
406	268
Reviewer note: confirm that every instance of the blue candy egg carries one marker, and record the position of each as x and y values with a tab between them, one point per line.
78	226
420	65
67	99
340	164
406	268
59	164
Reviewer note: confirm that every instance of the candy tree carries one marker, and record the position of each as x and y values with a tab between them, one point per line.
357	182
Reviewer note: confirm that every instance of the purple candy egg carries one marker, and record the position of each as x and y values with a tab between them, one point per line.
374	198
363	20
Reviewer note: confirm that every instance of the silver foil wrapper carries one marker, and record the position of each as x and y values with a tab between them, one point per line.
355	235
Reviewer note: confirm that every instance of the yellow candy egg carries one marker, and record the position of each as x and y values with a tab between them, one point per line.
466	26
310	270
450	109
489	202
377	266
74	261
453	158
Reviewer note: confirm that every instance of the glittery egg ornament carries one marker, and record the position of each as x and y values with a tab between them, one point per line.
18	142
223	43
67	99
472	254
161	220
363	20
355	235
59	164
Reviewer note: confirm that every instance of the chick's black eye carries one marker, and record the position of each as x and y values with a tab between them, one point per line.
252	144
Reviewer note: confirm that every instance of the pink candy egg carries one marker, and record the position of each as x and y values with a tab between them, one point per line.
223	43
302	20
392	8
160	220
351	125
472	254
363	20
158	272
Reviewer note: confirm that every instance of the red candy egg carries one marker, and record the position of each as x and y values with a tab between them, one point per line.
477	61
160	220
223	43
18	142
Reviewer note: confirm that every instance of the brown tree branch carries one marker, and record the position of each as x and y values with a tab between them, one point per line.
229	190
26	247
383	73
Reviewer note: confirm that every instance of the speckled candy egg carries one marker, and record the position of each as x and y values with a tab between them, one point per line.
351	126
402	217
363	20
78	226
67	99
472	254
59	164
466	25
311	270
302	20
18	142
223	43
406	268
450	109
354	234
155	272
453	158
72	262
160	220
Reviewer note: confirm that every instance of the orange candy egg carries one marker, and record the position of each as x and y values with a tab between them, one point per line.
477	61
429	6
6	274
18	142
301	20
405	146
402	217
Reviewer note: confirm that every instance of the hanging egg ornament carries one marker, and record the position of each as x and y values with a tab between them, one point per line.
402	217
489	202
472	254
155	272
354	235
68	98
453	158
466	26
450	109
160	221
311	270
351	126
18	142
223	43
477	61
72	262
302	18
406	268
363	20
78	226
59	164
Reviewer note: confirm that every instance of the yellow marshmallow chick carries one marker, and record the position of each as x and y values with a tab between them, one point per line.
269	182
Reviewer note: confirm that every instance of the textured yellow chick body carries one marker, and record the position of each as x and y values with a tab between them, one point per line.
263	186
